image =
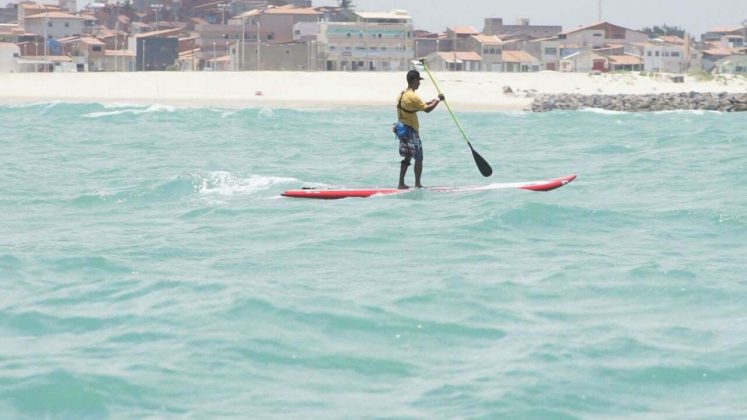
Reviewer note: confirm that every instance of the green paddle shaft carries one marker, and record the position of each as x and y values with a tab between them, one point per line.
481	163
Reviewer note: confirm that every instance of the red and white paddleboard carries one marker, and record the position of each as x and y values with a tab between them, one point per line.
335	193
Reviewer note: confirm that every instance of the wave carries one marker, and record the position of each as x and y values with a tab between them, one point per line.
136	110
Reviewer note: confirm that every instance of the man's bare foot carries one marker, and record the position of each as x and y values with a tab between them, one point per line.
403	187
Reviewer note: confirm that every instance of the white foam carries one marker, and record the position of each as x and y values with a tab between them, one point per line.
603	111
149	109
225	184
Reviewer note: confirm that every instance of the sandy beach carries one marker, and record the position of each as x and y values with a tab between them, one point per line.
466	91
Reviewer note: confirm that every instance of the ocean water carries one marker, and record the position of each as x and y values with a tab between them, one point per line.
149	268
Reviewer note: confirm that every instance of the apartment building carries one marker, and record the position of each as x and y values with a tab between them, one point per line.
377	41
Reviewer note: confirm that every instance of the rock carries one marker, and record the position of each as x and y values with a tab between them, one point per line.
722	101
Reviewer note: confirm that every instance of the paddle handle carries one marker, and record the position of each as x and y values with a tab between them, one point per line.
459	126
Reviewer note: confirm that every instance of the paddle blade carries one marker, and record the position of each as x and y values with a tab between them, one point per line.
482	164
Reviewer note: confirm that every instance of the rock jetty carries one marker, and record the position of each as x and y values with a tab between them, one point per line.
725	102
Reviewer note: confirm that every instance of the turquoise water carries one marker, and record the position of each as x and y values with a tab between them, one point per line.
150	269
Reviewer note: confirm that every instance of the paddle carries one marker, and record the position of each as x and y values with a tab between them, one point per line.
482	164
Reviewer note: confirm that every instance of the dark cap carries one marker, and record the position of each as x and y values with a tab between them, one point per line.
413	75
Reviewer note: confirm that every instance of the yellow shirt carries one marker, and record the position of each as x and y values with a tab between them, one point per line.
408	103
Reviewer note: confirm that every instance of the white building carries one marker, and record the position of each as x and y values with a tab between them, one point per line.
666	55
54	24
600	34
9	55
377	41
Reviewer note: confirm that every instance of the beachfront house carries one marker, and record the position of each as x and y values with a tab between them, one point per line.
489	47
376	41
585	61
454	61
9	55
668	54
733	64
625	62
713	52
519	62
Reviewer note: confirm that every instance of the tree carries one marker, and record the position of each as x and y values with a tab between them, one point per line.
663	30
346	4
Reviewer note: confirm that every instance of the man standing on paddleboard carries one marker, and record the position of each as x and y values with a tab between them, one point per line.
407	128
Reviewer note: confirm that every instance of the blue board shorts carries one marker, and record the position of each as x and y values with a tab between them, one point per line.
410	145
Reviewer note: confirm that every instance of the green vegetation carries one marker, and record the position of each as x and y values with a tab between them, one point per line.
700	75
665	29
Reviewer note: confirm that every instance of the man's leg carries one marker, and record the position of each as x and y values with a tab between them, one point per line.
402	171
418	172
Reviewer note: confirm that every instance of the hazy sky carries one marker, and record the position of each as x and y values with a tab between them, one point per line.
696	16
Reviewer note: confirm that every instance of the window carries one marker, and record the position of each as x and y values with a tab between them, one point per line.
49	24
675	54
67	24
331	47
597	35
658	54
665	53
551	51
96	48
648	53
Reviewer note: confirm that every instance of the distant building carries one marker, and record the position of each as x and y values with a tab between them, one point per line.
94	52
32	8
495	26
215	40
277	22
155	51
599	34
716	34
54	24
602	39
9	13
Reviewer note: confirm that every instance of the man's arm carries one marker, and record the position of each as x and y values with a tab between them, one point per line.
430	106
